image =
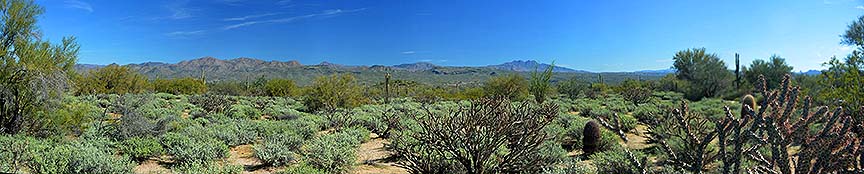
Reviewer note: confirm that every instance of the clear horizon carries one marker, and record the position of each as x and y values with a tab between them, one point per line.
603	36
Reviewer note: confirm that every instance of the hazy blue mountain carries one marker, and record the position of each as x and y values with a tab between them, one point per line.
530	66
247	69
810	72
419	66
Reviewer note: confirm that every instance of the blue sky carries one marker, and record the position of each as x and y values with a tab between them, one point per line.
611	35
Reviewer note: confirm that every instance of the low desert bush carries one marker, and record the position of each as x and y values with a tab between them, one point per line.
279	149
332	153
194	145
207	167
141	148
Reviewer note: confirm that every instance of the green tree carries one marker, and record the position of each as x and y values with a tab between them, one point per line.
33	73
573	87
111	79
281	88
705	73
540	87
774	69
513	87
180	86
844	79
334	91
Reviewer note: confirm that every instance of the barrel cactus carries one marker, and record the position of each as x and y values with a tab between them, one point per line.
591	138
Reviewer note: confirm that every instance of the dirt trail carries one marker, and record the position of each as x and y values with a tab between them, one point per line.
151	166
372	158
637	138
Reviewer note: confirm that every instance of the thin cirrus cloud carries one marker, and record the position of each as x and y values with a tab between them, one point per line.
244	18
325	13
179	10
185	33
76	4
859	7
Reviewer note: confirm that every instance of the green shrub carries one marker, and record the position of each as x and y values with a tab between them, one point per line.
279	149
551	153
359	134
207	167
609	140
301	168
235	132
628	122
140	148
572	167
243	111
616	161
648	113
194	145
95	159
46	157
333	153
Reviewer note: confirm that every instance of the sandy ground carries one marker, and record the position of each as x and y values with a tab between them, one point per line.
372	158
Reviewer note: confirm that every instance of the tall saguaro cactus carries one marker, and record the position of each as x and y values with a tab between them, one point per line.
387	88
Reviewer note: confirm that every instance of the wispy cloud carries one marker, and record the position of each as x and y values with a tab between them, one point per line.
408	52
860	7
76	4
185	33
243	18
325	13
179	10
432	60
283	2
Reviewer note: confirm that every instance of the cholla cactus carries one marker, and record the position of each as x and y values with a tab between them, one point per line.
778	126
691	134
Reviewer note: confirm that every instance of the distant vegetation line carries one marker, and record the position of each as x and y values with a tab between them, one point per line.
249	69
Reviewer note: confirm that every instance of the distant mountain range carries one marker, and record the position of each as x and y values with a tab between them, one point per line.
240	69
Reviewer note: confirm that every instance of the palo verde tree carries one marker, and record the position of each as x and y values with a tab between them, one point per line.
328	93
33	73
281	88
774	69
111	79
512	87
705	73
843	78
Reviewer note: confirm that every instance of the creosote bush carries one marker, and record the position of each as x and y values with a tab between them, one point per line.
279	149
194	145
332	153
141	148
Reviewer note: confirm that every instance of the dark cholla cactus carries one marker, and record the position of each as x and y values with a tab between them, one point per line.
694	134
472	137
591	138
826	140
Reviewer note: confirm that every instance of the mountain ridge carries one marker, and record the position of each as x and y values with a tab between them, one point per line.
248	69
